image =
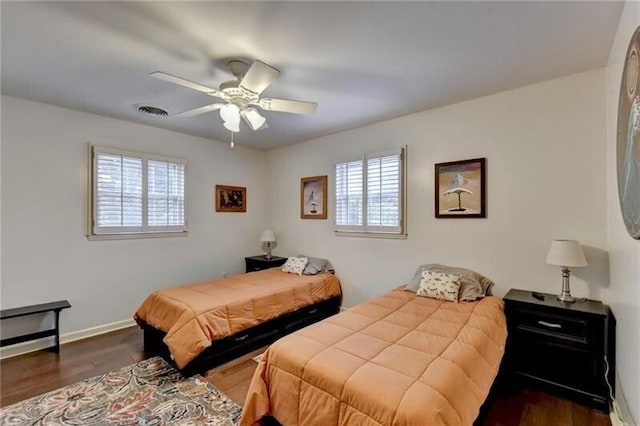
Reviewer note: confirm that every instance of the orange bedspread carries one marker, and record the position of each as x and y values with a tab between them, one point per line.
398	359
193	315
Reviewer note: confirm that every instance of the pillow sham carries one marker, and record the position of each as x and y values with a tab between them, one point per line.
317	265
439	286
295	265
473	286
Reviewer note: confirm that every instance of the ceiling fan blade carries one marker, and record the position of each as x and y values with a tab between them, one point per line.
200	110
258	77
285	105
185	83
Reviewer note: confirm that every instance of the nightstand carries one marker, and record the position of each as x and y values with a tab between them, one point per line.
258	263
559	346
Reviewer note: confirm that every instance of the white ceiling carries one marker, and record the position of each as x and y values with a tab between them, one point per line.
361	62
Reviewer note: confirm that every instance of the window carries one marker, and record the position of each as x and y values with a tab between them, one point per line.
134	193
369	194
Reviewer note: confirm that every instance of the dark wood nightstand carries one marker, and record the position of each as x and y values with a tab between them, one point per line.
559	346
258	263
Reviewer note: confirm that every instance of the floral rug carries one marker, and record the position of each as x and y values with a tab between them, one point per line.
150	392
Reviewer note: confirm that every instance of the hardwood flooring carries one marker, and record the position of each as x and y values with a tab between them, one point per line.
29	375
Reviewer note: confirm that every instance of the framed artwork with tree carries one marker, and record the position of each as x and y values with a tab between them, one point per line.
460	189
313	197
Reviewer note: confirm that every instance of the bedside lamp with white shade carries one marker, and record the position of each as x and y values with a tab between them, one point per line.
566	253
268	238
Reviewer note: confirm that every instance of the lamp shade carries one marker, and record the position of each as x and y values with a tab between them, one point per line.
566	253
268	236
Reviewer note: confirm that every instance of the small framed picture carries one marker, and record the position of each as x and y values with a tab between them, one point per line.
231	198
460	189
313	197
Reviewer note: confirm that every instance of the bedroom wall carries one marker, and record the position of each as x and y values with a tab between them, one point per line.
546	180
624	252
45	253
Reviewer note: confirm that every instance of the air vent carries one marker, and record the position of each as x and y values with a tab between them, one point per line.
147	109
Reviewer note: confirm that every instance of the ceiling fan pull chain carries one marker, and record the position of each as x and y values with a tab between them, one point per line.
231	144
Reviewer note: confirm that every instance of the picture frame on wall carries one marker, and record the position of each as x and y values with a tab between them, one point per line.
627	143
460	189
231	199
313	197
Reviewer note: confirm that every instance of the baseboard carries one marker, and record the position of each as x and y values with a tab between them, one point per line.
620	414
37	345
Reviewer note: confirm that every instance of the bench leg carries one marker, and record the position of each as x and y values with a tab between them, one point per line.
56	346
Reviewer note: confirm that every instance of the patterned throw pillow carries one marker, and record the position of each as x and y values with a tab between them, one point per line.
295	264
441	286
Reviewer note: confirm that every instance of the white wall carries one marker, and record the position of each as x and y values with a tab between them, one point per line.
546	180
624	252
45	253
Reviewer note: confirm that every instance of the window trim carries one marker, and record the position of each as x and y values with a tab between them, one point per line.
144	231
374	231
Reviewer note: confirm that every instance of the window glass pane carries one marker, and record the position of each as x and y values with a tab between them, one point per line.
165	193
349	197
383	191
118	190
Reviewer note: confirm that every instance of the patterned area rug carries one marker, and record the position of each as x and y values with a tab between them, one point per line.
150	392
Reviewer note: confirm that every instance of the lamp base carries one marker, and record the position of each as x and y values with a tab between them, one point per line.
567	298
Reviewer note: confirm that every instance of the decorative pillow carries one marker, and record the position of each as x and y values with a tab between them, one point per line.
439	286
295	265
473	286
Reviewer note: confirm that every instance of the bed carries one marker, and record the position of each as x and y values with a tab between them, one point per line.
201	325
398	359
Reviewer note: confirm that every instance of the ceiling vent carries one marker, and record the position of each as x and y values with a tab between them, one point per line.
147	109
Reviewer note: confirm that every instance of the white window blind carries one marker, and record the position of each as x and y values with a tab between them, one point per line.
369	193
137	193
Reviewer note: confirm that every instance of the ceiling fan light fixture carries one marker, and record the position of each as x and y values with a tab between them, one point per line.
232	125
230	112
253	118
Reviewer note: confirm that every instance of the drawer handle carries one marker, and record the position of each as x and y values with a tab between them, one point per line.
313	311
241	338
550	324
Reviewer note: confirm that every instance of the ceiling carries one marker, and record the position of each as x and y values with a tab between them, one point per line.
361	62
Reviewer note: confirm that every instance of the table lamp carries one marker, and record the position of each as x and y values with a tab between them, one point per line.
268	238
566	253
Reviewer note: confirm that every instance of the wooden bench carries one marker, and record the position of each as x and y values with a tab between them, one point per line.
56	307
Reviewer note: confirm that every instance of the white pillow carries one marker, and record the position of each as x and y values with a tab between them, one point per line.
440	286
295	265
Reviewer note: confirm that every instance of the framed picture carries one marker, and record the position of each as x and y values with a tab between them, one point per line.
231	198
313	197
460	189
628	143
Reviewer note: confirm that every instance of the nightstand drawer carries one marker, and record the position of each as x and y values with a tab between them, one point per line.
259	263
560	326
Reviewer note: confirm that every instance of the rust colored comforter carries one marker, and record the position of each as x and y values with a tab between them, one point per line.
193	315
398	359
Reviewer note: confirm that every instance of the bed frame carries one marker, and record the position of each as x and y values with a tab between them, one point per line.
243	342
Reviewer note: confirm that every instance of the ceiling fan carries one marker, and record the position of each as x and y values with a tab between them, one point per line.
241	96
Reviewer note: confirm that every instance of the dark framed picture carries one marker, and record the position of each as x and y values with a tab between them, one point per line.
313	197
231	198
460	189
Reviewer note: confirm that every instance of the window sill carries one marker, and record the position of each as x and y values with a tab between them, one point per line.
384	235
136	235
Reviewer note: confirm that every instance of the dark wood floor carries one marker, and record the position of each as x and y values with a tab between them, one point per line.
38	372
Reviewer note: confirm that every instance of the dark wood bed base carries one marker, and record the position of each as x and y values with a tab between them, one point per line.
245	341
